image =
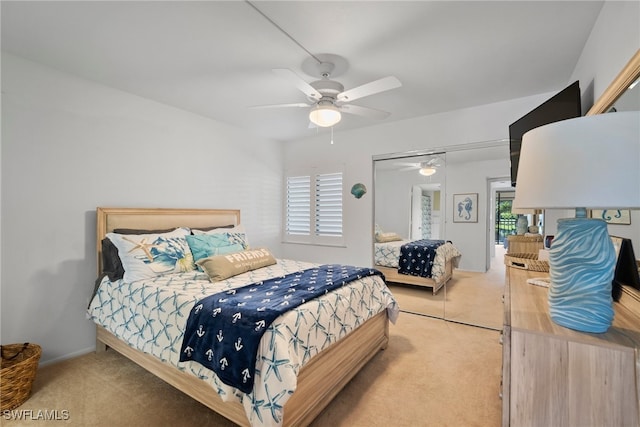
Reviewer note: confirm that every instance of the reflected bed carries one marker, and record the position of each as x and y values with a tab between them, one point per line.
387	260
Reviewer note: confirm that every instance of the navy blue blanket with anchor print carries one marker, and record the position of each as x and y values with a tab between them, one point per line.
224	330
416	258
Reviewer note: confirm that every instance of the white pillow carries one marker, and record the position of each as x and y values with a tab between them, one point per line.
387	237
148	255
235	235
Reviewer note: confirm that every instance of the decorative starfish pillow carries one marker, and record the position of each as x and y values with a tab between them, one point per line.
148	255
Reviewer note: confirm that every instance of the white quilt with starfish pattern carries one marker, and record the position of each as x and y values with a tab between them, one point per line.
151	314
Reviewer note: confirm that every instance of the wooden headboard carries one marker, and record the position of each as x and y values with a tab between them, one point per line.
109	219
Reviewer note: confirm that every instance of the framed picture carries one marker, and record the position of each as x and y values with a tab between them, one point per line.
465	207
613	216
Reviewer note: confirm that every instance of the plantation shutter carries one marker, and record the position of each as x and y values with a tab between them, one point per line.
299	205
328	205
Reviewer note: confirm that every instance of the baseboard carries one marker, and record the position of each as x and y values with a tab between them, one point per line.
68	356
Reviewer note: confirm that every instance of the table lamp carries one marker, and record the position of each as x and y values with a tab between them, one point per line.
590	162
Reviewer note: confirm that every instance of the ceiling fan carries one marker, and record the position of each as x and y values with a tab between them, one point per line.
426	168
327	99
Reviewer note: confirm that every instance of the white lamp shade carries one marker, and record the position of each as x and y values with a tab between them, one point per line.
325	116
588	162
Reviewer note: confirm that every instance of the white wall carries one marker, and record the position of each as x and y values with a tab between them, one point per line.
394	198
615	38
471	238
393	201
356	148
68	146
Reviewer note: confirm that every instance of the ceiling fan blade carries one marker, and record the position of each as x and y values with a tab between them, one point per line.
376	86
410	168
298	104
305	87
364	111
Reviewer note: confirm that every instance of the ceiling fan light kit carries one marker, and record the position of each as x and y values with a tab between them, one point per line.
426	167
427	171
327	98
325	115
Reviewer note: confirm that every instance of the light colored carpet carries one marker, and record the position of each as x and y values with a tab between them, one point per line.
433	373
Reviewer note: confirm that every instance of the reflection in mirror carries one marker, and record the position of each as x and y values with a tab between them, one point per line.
629	100
623	92
476	298
425	212
408	193
418	206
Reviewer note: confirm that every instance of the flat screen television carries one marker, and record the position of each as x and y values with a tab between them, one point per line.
564	105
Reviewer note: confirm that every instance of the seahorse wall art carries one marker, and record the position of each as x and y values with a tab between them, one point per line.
464	208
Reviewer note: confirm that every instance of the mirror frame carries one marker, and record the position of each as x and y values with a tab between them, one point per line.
629	74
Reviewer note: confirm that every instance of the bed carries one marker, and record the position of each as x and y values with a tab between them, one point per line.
387	256
315	369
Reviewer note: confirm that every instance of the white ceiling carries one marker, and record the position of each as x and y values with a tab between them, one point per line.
215	58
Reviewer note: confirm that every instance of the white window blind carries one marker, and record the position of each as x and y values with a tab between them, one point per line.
328	205
298	205
314	208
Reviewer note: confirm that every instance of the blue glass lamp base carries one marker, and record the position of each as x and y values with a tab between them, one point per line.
581	265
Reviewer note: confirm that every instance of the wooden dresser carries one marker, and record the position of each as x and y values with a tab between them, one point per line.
554	376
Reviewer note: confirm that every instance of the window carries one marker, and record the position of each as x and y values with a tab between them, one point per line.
298	205
329	205
314	208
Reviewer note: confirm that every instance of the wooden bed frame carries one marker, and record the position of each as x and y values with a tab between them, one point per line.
319	381
392	275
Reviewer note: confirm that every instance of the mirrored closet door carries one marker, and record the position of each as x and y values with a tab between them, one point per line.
408	207
412	202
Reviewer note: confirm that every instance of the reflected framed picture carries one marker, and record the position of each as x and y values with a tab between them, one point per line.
613	216
465	207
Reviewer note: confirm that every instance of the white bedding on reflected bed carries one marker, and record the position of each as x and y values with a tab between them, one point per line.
388	255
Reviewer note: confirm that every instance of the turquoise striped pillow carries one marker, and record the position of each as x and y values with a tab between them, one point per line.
206	245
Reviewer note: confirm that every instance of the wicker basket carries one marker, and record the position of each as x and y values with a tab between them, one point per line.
526	261
18	370
523	238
